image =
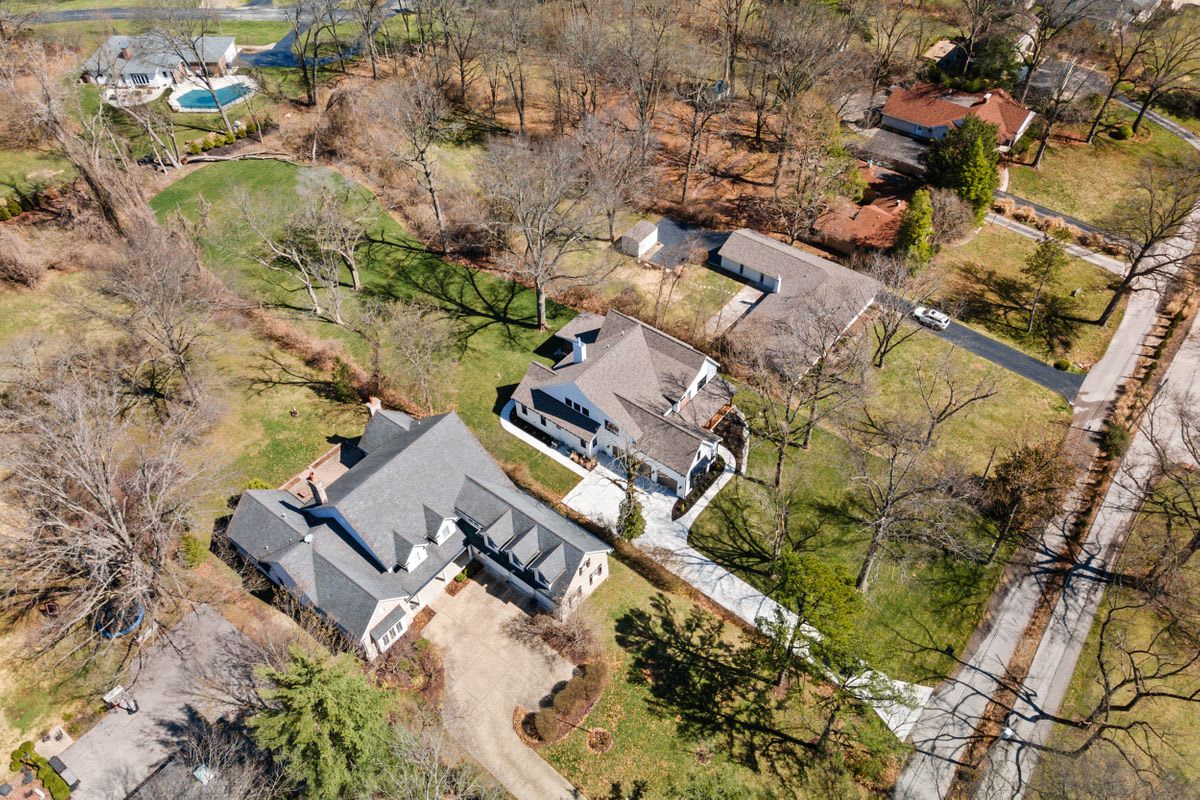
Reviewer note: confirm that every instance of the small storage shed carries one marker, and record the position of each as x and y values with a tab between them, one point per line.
638	240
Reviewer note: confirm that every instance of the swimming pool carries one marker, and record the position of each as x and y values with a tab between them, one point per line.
202	100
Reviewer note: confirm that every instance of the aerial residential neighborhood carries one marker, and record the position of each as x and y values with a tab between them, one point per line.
624	400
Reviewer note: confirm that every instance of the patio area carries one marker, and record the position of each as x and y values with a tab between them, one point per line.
191	95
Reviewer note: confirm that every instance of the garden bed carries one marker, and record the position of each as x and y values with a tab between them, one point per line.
702	484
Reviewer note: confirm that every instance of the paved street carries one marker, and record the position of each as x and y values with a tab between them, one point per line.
1012	762
951	716
488	674
122	750
1099	259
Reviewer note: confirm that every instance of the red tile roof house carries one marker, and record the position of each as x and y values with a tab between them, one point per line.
927	111
873	224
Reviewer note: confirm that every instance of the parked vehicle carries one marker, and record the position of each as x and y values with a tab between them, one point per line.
931	318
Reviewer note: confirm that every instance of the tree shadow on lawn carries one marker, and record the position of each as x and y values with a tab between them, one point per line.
736	535
479	301
711	687
1002	303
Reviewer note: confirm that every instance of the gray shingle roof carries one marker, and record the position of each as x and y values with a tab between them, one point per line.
632	372
389	503
149	53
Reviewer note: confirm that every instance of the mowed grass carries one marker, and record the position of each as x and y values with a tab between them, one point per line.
1090	181
986	289
86	35
495	317
917	604
656	737
24	170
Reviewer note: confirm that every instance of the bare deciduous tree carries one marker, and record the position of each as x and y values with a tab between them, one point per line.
1157	212
615	167
424	763
412	117
1123	50
976	20
180	27
902	289
411	344
541	209
645	54
106	500
804	371
165	301
1171	60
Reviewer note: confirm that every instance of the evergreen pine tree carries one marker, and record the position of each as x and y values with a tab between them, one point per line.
914	240
1043	266
324	722
967	162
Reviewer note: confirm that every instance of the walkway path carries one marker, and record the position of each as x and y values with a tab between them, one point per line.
738	306
1107	263
598	497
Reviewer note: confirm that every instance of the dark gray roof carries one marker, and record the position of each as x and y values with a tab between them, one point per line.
582	324
391	502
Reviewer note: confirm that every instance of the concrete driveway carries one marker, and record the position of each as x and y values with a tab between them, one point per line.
123	749
488	674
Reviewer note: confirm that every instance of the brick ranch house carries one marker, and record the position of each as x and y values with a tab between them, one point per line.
927	112
419	501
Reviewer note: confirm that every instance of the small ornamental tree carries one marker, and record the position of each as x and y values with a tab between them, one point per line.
967	162
914	241
324	722
1043	266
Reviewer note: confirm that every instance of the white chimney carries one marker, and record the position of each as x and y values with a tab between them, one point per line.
373	405
578	350
317	488
987	96
308	537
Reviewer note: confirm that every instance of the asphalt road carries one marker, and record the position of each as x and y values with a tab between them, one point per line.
957	705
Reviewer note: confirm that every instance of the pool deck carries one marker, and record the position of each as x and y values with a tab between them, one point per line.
196	85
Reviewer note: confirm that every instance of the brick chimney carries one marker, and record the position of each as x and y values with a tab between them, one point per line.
374	406
317	489
126	54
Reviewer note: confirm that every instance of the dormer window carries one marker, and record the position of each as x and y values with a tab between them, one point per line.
415	557
444	531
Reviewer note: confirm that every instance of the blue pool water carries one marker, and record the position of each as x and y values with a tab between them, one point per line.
201	100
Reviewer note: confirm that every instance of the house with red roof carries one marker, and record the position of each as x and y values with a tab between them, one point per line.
928	112
874	221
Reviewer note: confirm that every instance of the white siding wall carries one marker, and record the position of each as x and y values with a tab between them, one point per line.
768	282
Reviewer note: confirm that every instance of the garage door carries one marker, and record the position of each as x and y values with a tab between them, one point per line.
668	481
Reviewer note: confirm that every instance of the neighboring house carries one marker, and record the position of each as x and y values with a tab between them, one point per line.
146	60
946	54
796	283
623	385
639	240
374	547
927	112
872	223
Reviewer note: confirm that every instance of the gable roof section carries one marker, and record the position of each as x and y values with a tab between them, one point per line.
934	106
393	498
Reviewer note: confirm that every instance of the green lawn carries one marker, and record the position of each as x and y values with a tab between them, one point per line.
23	170
924	599
1088	182
495	316
667	729
985	289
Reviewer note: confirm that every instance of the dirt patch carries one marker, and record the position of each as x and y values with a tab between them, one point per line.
599	741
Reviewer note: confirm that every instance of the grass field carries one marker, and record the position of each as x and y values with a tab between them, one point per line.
1089	182
667	729
495	317
985	289
23	170
926	599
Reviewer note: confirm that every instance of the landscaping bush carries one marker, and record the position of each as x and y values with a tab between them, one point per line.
20	263
1004	206
229	138
1062	364
1115	439
1025	214
591	680
545	722
569	698
240	132
25	756
4	215
257	483
631	521
15	206
17	760
1091	240
192	551
699	488
1122	133
251	127
341	383
194	148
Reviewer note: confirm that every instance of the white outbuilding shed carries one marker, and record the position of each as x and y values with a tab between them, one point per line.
639	240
